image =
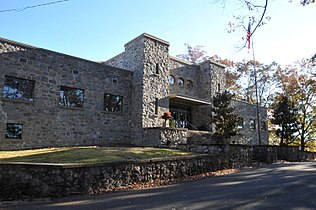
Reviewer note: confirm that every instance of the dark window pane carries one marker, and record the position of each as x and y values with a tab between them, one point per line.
113	103
263	126
17	88
180	82
71	97
157	68
14	131
240	123
189	84
156	105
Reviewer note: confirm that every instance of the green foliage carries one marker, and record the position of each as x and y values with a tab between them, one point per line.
285	117
224	118
298	84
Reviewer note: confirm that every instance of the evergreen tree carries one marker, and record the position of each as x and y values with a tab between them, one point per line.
224	117
284	116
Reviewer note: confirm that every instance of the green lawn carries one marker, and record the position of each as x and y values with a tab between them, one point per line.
89	154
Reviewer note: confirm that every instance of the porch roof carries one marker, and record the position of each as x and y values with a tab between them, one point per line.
187	100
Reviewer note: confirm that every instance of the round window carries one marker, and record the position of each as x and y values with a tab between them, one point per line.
171	80
180	82
189	84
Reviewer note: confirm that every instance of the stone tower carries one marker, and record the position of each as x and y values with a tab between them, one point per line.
148	57
213	79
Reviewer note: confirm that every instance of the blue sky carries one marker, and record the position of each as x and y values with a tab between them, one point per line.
98	29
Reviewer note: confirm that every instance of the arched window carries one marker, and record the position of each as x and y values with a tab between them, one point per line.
180	82
171	80
189	84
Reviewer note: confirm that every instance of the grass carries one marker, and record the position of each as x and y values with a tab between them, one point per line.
89	154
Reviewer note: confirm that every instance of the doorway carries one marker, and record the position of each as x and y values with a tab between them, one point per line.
181	115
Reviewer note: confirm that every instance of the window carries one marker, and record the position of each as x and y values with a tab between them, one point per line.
71	97
218	87
14	131
156	105
114	80
17	88
171	80
23	60
157	68
113	103
263	126
240	123
252	125
180	82
189	84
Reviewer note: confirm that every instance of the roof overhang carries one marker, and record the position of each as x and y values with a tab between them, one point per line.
174	98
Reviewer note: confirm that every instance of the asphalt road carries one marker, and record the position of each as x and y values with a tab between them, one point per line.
281	186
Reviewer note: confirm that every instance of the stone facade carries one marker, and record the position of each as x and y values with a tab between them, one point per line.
248	113
141	75
45	122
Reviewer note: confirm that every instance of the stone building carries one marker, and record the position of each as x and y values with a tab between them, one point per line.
52	99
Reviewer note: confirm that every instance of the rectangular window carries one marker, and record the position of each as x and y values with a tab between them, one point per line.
156	105
17	88
71	97
157	68
252	125
113	103
14	131
263	126
240	123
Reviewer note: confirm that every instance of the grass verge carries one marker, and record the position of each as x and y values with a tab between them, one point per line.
89	154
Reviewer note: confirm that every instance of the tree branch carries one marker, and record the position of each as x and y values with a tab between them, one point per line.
262	16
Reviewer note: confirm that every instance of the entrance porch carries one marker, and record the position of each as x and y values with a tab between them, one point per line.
190	113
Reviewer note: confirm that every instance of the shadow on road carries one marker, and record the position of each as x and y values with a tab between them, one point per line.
278	186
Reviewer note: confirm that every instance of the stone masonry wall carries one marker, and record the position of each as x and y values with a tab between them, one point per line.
148	58
156	85
45	122
164	137
249	112
212	76
118	61
24	181
21	181
189	73
233	156
270	154
213	79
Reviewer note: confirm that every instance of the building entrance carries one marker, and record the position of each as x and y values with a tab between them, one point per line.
181	115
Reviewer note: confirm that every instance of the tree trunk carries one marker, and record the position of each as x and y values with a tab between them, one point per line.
281	137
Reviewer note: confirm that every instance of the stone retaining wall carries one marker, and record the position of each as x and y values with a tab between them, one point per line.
23	180
164	137
236	156
270	154
20	181
246	154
